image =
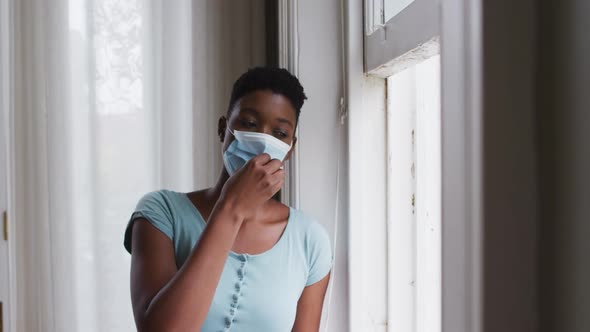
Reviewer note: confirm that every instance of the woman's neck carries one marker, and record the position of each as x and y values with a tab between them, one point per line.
214	192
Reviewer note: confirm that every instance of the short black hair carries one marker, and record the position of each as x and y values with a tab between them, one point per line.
277	80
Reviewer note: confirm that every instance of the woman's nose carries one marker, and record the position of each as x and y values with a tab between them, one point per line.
264	130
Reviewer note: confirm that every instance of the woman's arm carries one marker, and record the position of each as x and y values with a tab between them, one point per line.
168	300
309	307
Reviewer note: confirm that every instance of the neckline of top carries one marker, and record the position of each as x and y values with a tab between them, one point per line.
232	253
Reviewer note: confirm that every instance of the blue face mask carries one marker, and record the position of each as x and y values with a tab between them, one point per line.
248	145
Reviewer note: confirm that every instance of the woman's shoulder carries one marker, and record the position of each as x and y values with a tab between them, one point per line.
161	199
157	195
316	245
155	207
309	226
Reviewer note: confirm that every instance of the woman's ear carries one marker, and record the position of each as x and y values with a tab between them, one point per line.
221	127
288	156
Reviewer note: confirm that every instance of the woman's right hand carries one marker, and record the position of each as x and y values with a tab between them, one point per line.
253	184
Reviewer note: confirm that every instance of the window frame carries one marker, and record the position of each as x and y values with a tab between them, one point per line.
7	149
367	93
413	198
288	57
415	25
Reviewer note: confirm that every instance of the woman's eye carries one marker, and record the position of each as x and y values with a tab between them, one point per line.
281	134
248	124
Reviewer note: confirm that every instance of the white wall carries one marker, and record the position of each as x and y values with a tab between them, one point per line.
228	38
320	65
563	105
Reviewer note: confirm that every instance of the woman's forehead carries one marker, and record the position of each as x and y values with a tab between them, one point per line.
265	103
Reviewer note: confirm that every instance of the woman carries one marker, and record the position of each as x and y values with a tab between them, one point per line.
229	257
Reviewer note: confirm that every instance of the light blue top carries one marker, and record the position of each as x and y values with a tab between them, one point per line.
256	292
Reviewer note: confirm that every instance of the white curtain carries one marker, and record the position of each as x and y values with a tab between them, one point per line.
111	99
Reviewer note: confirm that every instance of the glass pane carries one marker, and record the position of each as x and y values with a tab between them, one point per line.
394	7
414	198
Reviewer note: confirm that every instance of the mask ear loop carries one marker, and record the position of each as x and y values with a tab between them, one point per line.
290	148
228	128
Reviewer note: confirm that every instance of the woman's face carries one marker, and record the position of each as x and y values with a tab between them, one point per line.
260	111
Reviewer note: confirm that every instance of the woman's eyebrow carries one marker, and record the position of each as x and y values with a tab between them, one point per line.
249	110
283	120
255	112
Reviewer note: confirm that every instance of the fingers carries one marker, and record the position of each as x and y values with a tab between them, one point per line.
271	174
279	177
273	166
261	159
269	184
264	160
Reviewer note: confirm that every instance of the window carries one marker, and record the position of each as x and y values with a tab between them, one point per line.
387	42
413	198
381	11
395	198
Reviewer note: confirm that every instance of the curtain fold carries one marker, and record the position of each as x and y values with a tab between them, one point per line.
111	99
103	114
41	122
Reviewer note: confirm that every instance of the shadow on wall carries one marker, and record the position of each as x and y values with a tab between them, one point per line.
564	160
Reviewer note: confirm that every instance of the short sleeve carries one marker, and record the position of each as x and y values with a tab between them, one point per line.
319	253
155	208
